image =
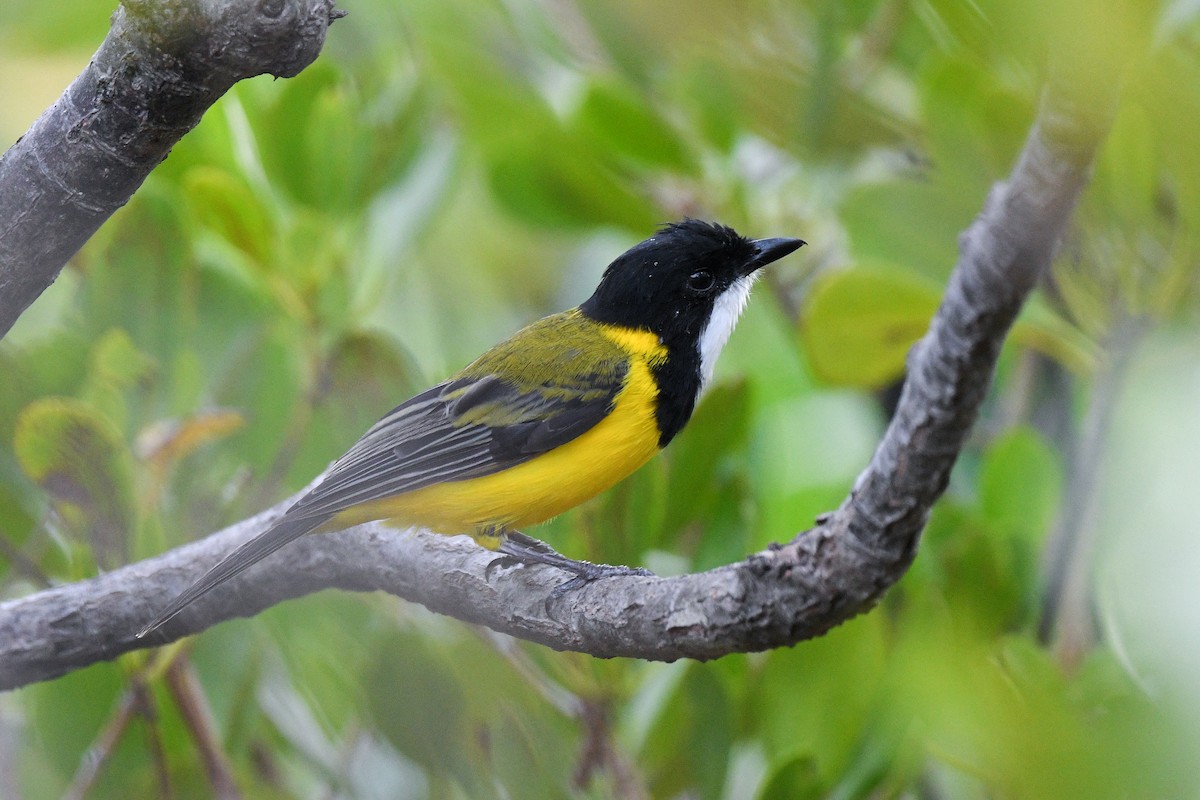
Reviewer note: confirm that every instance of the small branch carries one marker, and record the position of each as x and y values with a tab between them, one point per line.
11	745
1068	618
154	743
557	696
98	754
161	66
599	754
599	751
193	706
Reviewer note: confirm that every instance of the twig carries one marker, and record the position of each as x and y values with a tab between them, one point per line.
599	751
10	746
193	706
562	699
1068	619
98	754
154	742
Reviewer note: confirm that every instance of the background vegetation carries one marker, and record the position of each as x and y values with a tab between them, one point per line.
321	247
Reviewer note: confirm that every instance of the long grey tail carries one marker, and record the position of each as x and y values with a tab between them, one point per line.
250	553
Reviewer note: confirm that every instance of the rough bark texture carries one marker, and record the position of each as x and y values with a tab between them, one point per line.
775	598
163	63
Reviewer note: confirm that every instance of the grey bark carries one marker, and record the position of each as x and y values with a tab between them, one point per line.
163	63
775	598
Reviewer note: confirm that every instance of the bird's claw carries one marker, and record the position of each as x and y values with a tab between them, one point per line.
517	548
589	572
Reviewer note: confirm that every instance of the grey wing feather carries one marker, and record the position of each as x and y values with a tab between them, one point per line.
426	440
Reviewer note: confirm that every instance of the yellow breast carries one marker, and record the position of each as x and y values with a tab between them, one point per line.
548	484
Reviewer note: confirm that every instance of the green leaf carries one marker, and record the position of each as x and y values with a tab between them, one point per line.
417	705
1127	169
365	375
726	533
977	125
1020	485
333	132
841	674
67	714
56	28
17	524
54	365
346	157
76	455
704	513
466	51
859	324
329	647
794	779
1042	329
1164	84
116	364
454	705
238	304
624	522
141	280
712	92
289	160
688	749
991	577
264	380
116	360
716	431
549	182
626	125
804	456
909	223
224	203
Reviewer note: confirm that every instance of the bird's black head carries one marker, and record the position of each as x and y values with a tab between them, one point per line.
679	280
687	284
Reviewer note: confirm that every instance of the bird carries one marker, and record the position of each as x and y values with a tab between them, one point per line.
557	413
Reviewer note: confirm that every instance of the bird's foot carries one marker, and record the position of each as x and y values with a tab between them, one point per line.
517	548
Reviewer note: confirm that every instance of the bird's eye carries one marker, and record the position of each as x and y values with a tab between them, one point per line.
701	281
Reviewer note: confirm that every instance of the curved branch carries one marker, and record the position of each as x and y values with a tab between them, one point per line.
163	63
774	598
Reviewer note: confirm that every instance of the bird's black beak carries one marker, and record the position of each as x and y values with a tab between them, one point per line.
769	250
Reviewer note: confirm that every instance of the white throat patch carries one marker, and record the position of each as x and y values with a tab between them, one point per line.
725	313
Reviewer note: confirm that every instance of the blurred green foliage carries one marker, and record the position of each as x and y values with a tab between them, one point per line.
319	248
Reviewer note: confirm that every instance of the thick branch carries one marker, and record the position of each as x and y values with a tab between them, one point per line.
163	63
779	597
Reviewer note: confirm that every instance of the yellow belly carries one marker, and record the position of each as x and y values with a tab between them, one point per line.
546	485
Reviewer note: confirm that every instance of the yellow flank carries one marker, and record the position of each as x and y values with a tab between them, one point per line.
551	483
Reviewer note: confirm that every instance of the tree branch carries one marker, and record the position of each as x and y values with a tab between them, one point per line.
775	598
163	63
